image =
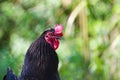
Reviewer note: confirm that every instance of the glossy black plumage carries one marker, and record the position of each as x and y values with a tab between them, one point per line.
41	61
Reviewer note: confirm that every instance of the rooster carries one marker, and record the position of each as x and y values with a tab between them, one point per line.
41	60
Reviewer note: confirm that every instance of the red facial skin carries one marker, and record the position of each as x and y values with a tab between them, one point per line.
51	37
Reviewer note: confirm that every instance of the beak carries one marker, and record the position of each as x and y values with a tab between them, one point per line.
58	37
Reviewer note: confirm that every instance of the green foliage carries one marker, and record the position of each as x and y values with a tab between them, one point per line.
22	21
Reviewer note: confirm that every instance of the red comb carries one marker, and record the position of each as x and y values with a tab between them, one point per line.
58	30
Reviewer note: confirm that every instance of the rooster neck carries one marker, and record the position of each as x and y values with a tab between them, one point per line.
40	59
41	47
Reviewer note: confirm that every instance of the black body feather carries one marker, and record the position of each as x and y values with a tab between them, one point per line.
10	75
41	61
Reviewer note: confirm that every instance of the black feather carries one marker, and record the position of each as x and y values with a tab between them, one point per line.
41	61
10	75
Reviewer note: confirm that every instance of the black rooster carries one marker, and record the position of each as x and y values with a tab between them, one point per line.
41	60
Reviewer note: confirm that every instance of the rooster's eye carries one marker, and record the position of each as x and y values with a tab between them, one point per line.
50	34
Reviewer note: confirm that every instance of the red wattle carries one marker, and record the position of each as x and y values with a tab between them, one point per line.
56	44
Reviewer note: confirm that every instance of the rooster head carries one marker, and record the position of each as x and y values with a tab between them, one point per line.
53	35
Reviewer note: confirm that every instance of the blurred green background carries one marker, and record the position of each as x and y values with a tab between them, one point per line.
90	49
